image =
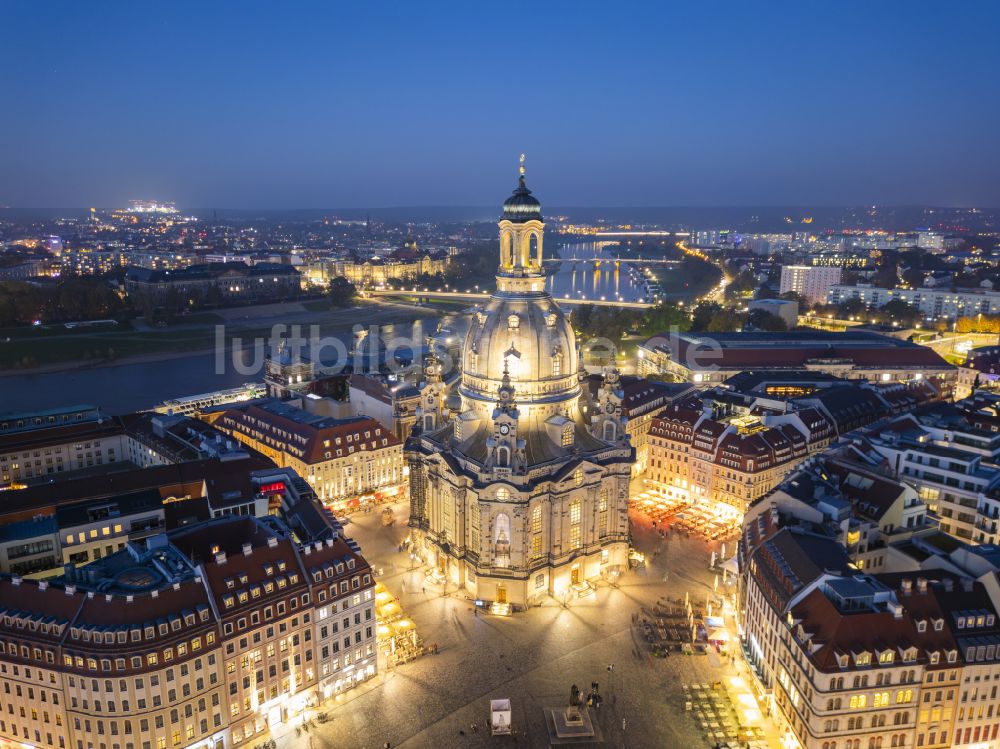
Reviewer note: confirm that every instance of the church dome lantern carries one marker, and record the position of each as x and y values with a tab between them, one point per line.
521	332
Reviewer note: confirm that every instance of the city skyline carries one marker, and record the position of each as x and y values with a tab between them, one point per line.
640	106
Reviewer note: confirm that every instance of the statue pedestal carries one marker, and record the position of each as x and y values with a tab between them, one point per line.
570	725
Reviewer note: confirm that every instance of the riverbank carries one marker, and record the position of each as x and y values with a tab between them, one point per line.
48	351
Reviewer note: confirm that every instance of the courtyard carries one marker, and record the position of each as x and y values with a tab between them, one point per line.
532	658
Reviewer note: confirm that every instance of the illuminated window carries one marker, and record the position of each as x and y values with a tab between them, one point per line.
574	512
536	519
567	435
574	537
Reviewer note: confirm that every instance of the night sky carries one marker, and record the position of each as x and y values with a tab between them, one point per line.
334	104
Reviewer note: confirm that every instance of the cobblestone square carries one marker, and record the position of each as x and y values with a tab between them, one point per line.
532	658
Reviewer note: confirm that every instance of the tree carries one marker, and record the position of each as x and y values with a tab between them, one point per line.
580	317
213	296
851	308
726	321
342	292
664	317
978	324
764	320
743	284
898	311
713	318
794	296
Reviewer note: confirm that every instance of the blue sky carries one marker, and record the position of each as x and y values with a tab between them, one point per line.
297	104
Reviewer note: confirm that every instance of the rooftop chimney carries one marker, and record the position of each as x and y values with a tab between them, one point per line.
220	558
922	584
247	549
907	586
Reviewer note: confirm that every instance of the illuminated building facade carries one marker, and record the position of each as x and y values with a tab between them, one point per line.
934	304
733	457
339	458
214	284
849	660
208	637
520	495
811	282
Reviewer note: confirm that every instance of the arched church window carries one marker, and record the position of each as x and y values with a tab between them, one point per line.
609	431
503	494
501	540
533	253
567	435
557	365
503	456
428	422
508	249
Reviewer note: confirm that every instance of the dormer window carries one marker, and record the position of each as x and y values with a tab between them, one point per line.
921	626
886	657
863	659
513	322
938	625
935	657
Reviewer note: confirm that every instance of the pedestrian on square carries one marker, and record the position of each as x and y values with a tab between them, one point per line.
623	725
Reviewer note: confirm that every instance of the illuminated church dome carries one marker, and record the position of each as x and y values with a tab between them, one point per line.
521	329
522	205
519	492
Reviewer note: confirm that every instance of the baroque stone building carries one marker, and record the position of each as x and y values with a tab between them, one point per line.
521	494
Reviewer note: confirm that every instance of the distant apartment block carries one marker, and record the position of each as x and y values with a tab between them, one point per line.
812	282
933	303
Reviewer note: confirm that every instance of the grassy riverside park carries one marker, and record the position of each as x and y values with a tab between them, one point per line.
23	350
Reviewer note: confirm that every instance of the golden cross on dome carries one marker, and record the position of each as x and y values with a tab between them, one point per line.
522	164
